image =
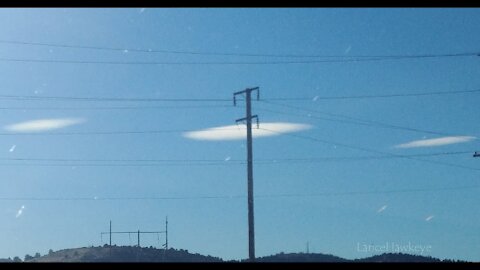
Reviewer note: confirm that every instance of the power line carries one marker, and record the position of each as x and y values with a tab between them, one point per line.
267	100
316	98
119	165
62	98
373	192
155	63
114	108
154	162
347	193
356	121
124	50
313	116
84	133
371	150
353	120
190	163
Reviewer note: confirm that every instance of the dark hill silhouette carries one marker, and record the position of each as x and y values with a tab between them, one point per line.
326	258
400	257
136	254
300	257
123	254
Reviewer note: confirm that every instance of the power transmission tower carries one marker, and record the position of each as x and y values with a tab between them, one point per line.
110	233
248	118
166	232
166	239
138	232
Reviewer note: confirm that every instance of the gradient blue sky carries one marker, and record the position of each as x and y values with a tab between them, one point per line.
333	224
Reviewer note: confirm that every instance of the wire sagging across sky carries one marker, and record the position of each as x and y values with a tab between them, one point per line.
218	99
260	196
348	119
128	163
375	151
291	55
225	63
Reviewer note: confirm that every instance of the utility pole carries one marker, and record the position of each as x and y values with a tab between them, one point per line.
166	240
166	233
110	233
248	118
308	248
138	239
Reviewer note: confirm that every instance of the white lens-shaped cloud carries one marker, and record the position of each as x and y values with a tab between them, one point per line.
436	142
238	132
43	124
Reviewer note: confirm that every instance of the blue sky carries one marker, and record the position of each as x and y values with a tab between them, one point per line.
338	201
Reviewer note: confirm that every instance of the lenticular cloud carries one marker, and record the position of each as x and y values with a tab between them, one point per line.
237	132
43	124
436	142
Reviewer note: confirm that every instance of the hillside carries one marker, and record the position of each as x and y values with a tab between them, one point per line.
135	254
401	257
123	254
398	257
301	257
323	258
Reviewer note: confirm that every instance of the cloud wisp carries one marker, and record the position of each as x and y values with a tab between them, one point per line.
436	142
43	124
238	132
